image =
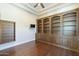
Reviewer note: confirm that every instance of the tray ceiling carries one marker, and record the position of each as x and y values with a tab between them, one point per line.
39	10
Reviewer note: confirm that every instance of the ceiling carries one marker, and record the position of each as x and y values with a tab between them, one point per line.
39	10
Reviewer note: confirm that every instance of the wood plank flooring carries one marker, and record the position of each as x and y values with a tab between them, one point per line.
37	49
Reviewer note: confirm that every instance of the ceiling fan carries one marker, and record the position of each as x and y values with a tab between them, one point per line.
41	4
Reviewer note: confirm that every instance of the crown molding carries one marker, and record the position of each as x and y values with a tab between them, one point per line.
32	10
59	9
25	8
54	8
44	11
30	7
51	6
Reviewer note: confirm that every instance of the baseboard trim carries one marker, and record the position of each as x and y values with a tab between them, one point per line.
13	44
58	45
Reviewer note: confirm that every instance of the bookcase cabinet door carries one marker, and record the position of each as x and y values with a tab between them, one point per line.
75	44
39	36
47	37
67	42
53	38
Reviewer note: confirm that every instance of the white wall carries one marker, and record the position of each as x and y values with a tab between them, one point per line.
23	20
59	9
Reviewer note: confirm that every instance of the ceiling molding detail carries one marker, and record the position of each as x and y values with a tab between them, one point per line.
59	9
32	10
51	9
25	8
52	6
30	7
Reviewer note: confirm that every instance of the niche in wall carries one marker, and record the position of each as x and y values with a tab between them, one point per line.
7	31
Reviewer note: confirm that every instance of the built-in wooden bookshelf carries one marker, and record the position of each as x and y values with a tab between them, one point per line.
39	26
55	24
46	25
70	29
7	31
69	24
63	29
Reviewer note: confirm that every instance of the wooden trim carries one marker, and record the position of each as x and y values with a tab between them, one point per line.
14	31
61	26
41	26
50	25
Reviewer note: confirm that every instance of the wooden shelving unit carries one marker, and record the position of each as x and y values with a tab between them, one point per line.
63	29
69	30
46	25
55	24
39	26
7	31
69	24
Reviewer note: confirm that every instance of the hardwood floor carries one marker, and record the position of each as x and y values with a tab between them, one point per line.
37	49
